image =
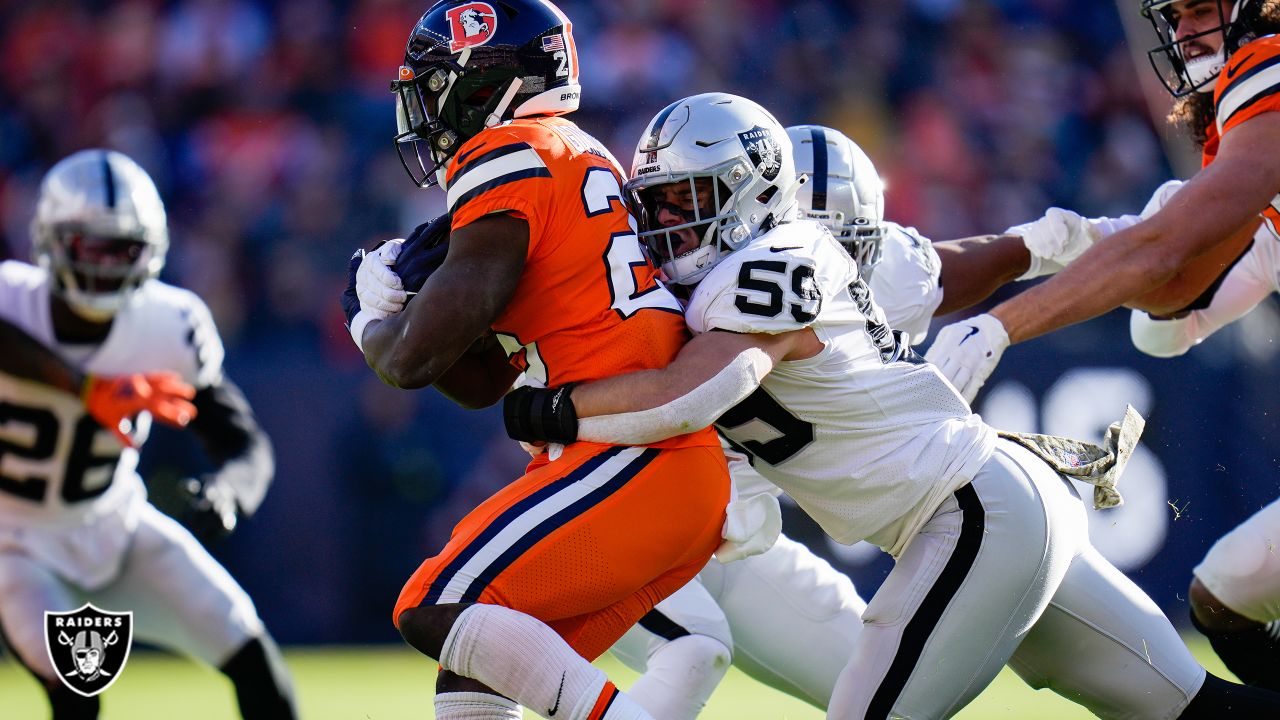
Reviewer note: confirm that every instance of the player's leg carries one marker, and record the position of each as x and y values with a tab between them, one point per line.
557	566
1235	598
27	590
184	600
794	618
1104	644
970	584
682	647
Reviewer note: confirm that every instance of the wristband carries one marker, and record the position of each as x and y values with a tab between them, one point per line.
546	414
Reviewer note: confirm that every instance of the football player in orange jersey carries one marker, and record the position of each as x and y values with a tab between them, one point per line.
1224	62
543	275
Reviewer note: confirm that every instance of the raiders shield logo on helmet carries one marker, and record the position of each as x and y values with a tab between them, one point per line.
471	25
88	647
763	150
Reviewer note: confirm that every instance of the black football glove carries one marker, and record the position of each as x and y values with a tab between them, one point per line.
423	252
547	414
212	511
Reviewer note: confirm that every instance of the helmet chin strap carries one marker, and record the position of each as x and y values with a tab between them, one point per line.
495	117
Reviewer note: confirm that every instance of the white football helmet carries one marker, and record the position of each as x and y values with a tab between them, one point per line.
844	191
710	172
100	231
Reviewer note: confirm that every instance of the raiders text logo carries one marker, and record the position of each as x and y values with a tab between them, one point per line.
88	647
471	25
763	150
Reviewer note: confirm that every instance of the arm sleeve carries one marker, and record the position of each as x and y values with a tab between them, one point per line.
238	446
1240	292
692	411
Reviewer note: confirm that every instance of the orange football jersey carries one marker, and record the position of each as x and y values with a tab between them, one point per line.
1248	86
589	304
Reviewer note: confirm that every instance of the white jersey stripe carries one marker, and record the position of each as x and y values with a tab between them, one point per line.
507	164
530	519
1244	92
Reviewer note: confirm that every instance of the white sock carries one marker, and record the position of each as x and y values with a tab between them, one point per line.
520	657
475	706
680	677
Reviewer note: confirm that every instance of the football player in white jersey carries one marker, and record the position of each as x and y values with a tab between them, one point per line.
789	618
92	340
993	558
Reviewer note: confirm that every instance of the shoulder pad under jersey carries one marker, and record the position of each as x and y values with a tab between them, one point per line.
775	283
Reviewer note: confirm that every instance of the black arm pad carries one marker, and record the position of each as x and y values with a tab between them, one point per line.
538	414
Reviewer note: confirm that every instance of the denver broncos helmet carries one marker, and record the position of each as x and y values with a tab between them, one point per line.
1200	74
844	191
474	64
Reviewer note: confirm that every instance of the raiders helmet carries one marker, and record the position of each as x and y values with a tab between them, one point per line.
100	231
844	191
471	65
710	172
1183	77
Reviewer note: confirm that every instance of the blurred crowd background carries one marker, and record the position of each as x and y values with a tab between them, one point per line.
268	126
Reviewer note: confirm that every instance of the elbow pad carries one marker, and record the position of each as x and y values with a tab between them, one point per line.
540	414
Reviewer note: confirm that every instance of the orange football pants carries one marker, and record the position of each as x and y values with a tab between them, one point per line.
587	544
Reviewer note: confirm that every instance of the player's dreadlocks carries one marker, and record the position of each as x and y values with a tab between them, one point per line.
1195	111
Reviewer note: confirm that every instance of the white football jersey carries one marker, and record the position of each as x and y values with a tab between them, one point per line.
905	283
867	442
57	465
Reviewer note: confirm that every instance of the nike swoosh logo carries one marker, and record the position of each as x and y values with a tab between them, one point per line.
784	249
972	331
1236	64
705	144
559	692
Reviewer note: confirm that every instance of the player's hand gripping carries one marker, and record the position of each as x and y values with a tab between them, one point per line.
374	291
112	400
968	351
1054	240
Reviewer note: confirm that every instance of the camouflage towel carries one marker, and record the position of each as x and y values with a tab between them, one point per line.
1098	466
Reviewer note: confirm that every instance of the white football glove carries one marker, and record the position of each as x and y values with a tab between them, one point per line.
751	526
1054	240
1161	197
378	286
968	351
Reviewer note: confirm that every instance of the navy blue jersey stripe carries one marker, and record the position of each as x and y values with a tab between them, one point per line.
108	182
551	524
499	181
819	178
1234	82
506	518
658	122
1259	96
466	167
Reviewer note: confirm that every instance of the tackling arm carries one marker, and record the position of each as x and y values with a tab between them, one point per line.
975	267
415	348
1220	201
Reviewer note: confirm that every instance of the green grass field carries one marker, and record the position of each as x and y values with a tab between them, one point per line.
395	682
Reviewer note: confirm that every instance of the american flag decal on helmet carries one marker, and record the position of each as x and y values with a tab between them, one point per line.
552	43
